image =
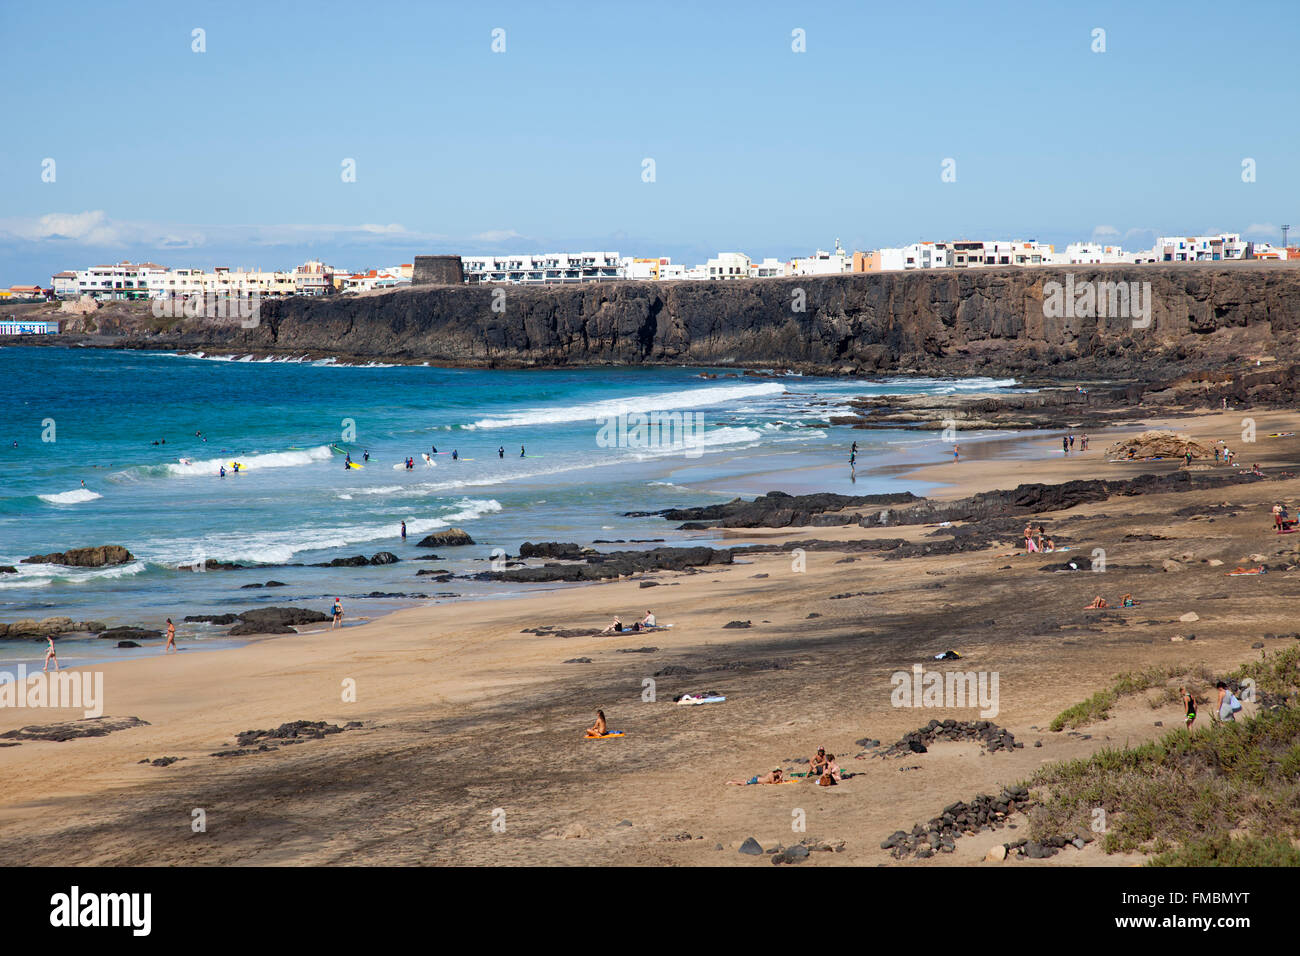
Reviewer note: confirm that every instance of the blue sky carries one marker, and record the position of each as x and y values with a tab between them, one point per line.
233	156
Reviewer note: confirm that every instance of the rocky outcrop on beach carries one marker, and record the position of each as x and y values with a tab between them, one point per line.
942	322
776	509
956	820
129	634
602	566
262	620
72	729
359	561
771	510
106	554
31	629
451	538
294	732
986	733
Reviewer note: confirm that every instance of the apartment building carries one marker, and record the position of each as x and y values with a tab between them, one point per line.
560	268
728	265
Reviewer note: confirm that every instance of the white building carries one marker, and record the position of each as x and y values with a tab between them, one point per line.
643	269
822	263
1226	245
728	265
543	269
769	268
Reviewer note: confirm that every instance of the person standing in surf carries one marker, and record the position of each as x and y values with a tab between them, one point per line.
501	452
337	614
403	530
521	452
171	637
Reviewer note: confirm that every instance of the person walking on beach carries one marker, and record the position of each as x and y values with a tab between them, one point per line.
1065	444
956	454
337	614
171	638
1189	705
1228	703
403	530
50	656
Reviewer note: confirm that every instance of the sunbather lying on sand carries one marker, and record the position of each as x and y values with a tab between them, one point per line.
1127	601
773	777
1097	602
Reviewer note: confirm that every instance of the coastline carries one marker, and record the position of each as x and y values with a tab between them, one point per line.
445	687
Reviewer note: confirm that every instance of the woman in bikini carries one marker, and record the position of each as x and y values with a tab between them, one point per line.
600	728
51	656
1097	602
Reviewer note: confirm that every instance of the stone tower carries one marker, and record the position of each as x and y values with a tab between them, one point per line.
437	270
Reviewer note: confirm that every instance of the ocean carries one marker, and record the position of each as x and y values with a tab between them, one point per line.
81	468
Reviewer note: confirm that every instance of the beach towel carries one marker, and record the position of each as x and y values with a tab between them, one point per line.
1245	571
604	736
688	699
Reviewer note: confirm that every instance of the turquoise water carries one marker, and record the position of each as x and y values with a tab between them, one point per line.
92	416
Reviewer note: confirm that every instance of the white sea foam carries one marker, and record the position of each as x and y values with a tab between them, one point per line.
280	546
666	401
279	459
43	575
74	497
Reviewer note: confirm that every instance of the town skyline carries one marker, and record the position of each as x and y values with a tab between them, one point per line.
519	130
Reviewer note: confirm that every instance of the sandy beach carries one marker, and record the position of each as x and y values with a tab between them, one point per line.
470	748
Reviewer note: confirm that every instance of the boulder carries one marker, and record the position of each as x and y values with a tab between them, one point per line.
996	854
98	557
249	627
129	634
1190	617
384	557
751	847
451	538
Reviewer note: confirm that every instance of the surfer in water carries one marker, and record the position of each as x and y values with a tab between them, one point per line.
454	455
223	471
521	452
403	530
501	453
365	456
434	449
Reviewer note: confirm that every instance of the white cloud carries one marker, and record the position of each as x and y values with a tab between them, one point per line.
496	235
1263	229
1102	232
90	228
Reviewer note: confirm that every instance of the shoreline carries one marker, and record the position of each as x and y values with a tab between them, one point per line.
436	685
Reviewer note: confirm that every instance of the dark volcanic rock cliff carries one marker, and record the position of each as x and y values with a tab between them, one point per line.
950	322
